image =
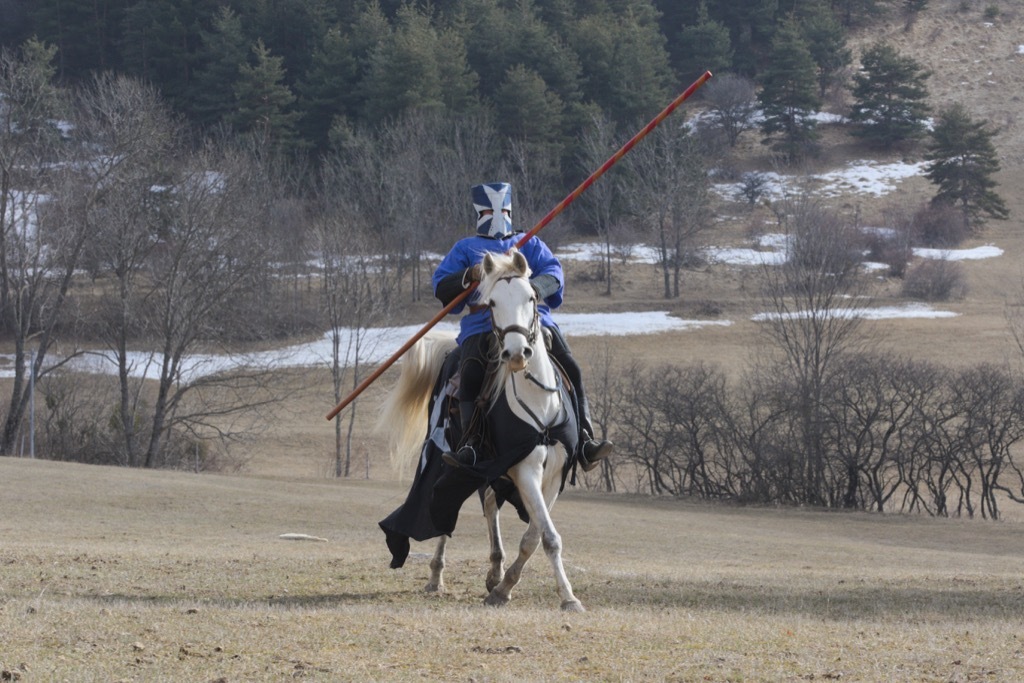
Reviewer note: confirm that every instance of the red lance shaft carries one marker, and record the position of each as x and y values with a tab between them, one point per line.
370	379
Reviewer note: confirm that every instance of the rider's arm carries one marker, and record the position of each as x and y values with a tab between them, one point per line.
450	286
544	264
545	285
453	274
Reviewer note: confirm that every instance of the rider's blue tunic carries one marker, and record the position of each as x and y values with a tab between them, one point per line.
470	251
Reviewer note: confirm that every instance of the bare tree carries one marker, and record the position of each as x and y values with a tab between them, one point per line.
812	319
605	396
209	263
732	102
671	196
469	155
410	144
992	401
533	172
601	204
132	132
39	250
356	291
413	176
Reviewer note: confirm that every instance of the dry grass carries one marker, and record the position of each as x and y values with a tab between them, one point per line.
112	574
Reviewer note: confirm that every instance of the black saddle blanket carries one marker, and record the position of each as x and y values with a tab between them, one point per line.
438	491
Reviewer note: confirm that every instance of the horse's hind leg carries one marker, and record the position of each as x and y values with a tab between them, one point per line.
436	582
497	556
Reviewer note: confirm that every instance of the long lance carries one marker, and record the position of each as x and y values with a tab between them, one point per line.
370	379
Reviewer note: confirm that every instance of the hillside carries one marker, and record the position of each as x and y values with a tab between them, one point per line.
975	61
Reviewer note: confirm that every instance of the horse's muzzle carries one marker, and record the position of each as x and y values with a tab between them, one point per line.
519	360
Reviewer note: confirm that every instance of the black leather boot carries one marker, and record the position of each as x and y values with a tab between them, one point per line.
467	455
464	457
592	451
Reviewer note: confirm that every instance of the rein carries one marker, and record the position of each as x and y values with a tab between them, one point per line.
541	427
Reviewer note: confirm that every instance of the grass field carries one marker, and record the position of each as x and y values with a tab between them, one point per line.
126	575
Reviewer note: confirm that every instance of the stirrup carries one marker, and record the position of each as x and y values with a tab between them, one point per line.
464	457
593	452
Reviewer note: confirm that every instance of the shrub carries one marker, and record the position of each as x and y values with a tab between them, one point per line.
939	225
935	280
752	186
892	249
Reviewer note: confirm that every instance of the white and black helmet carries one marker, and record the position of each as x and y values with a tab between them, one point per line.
493	204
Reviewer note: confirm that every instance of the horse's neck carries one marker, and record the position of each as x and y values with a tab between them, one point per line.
535	393
541	366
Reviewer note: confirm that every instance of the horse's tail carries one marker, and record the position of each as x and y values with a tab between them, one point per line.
404	413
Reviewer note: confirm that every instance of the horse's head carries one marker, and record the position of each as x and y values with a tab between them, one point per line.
505	289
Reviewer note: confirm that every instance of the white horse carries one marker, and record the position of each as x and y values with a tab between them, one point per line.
528	380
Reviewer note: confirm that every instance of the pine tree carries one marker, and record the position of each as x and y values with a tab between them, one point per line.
534	45
789	94
326	92
489	39
639	74
459	82
223	53
592	38
890	95
290	30
703	46
161	42
530	114
86	33
264	101
526	108
962	162
752	26
30	101
827	42
404	70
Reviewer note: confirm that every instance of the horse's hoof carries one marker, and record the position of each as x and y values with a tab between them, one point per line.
573	606
492	583
495	600
434	588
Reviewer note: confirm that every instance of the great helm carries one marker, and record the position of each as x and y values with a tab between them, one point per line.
493	198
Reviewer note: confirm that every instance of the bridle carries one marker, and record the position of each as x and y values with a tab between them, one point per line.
530	333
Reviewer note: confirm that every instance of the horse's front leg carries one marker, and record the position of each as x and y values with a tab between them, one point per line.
436	582
497	555
528	476
502	592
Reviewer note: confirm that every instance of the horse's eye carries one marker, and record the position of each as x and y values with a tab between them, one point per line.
490	304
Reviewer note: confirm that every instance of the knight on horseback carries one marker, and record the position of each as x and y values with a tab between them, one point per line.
456	273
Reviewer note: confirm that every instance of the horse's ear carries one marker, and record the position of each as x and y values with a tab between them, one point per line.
519	262
488	264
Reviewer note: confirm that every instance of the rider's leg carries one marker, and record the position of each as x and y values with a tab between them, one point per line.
471	378
592	451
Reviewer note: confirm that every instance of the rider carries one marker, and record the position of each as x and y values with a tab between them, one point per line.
461	267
